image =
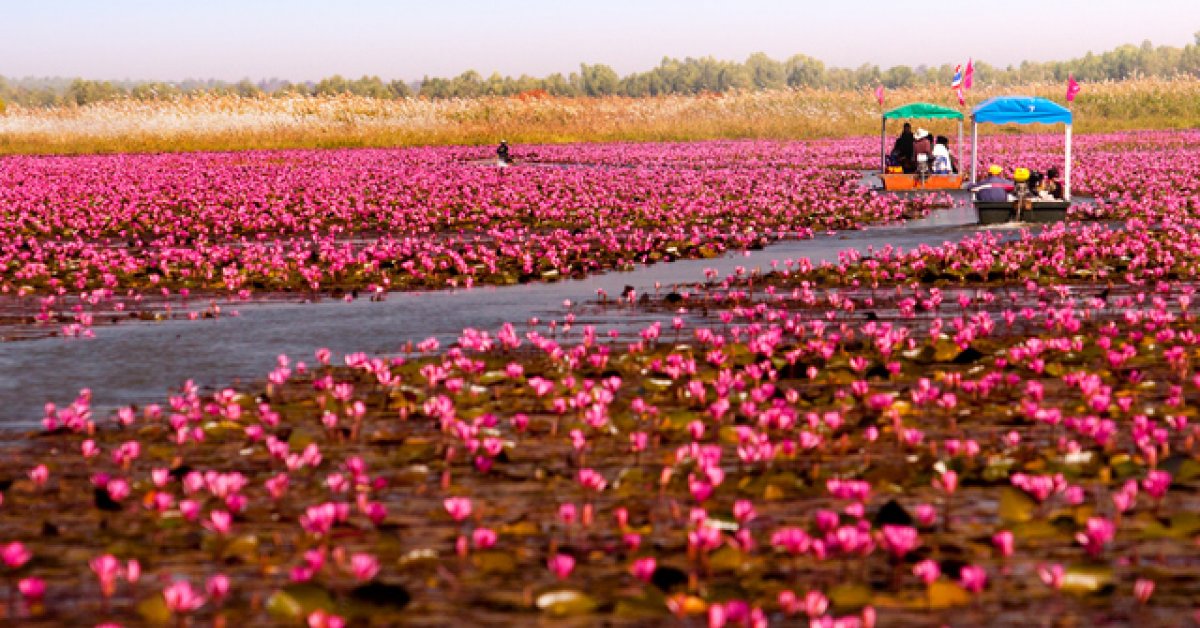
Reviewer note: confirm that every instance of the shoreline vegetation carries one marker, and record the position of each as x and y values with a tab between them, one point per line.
230	122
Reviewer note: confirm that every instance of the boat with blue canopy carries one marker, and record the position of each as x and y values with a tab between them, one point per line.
1023	204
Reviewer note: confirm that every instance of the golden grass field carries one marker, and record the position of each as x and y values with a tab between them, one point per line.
232	123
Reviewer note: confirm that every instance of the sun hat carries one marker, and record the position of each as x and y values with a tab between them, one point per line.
995	169
1021	174
921	133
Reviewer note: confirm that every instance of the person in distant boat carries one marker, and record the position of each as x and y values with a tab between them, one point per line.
502	152
994	188
922	149
943	160
1050	185
901	154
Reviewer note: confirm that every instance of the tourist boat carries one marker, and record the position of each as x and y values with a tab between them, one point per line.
1021	110
897	181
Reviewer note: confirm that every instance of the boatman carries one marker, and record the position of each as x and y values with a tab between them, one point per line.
994	188
502	152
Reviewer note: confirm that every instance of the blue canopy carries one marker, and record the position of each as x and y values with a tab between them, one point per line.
1021	110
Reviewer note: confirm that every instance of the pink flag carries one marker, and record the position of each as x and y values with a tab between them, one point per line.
969	74
962	99
879	95
1072	87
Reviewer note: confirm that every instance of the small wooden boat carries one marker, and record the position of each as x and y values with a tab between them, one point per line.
997	212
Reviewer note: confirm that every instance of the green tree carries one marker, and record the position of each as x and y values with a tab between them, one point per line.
598	80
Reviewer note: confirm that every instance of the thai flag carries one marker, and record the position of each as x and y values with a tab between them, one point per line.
957	81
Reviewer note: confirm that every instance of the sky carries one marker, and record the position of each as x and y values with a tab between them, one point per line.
302	40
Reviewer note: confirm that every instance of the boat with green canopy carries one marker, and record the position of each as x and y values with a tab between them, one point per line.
895	179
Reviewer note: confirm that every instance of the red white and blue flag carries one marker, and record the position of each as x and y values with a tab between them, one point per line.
957	81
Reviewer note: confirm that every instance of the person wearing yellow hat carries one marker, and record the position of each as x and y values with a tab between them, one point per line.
994	188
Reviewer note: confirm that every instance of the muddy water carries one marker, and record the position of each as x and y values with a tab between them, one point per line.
141	362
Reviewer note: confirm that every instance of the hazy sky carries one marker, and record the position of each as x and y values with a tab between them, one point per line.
310	39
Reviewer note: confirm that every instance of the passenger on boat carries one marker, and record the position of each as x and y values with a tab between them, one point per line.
1050	185
922	148
994	188
901	154
943	160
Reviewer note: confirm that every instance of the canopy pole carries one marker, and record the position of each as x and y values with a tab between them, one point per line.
1067	167
960	148
882	144
974	149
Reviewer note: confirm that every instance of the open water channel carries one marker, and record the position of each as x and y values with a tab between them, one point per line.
137	363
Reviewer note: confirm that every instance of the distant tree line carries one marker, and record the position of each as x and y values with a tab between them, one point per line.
672	76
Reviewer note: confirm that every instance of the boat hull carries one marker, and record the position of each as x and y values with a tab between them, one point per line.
997	212
899	182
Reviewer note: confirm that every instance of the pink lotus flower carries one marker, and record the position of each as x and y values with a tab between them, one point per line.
32	589
643	568
591	480
219	521
927	570
1052	575
1157	483
973	578
561	565
107	568
217	587
363	566
322	619
947	482
900	540
1003	542
1097	533
39	475
15	555
1143	589
815	604
458	507
181	598
484	538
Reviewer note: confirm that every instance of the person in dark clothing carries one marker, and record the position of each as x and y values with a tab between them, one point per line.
502	152
993	189
901	154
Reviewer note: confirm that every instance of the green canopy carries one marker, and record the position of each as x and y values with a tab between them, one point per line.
923	111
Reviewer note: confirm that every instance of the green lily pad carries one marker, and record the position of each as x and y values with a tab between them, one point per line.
1015	506
566	603
153	610
494	562
297	601
244	548
849	596
726	559
946	594
1087	579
